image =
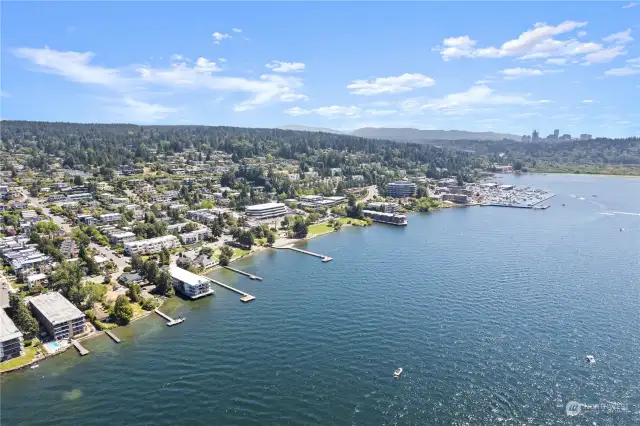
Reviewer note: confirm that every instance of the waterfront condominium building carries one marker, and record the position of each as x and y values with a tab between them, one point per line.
11	343
265	211
59	317
191	285
152	245
401	189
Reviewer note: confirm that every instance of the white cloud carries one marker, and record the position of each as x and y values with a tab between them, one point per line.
280	66
131	110
526	115
476	96
620	38
400	84
381	112
557	61
536	42
604	55
633	68
222	60
514	73
4	94
218	37
630	5
236	30
73	66
588	101
329	111
77	66
482	82
71	29
582	33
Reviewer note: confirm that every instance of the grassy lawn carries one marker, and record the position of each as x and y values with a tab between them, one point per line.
237	252
320	228
354	222
30	353
137	310
261	241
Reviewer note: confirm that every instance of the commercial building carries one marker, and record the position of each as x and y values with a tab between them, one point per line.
152	245
59	317
585	137
382	207
265	211
401	189
318	201
456	198
11	342
390	218
189	284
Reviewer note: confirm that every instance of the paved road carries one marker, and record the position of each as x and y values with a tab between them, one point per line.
58	220
372	191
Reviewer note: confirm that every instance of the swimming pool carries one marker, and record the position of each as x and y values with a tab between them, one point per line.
52	347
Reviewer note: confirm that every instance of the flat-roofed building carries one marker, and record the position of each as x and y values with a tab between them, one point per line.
80	196
59	317
11	342
110	217
401	189
265	211
382	207
152	245
191	285
122	237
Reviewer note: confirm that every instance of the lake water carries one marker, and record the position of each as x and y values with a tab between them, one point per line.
490	311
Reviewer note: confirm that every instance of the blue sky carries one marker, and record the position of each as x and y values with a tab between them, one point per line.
499	66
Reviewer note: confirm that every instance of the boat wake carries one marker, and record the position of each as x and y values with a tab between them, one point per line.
626	213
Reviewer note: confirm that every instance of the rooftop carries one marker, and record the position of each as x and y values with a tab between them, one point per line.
8	329
55	307
264	206
185	276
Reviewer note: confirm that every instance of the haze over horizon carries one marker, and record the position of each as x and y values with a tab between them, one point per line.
329	65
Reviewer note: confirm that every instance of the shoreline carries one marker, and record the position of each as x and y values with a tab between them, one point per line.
608	175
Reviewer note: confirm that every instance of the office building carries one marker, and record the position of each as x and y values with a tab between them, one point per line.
401	189
189	284
535	136
11	342
152	245
389	218
556	134
382	207
59	317
585	137
265	211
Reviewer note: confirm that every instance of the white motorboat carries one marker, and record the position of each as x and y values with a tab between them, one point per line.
397	373
591	359
34	366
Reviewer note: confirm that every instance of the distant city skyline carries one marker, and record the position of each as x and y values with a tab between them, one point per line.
504	67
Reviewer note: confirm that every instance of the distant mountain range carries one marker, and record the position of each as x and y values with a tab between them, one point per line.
409	134
416	135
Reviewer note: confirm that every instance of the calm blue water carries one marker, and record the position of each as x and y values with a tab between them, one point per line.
490	311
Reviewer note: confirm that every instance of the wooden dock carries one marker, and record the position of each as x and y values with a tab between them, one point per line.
81	349
113	336
310	253
246	274
246	297
170	321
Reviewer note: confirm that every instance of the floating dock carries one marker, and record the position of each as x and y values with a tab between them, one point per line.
113	336
81	349
246	297
246	274
531	206
321	256
170	321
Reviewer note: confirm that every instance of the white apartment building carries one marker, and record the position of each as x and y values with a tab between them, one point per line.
191	285
61	319
265	211
122	237
110	217
152	245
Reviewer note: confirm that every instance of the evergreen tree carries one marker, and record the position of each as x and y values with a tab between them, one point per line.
21	316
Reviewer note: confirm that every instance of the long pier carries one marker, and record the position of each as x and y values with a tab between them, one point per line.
310	253
81	349
246	297
113	336
246	274
170	320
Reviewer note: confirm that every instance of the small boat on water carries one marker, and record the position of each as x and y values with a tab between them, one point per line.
397	373
34	366
590	359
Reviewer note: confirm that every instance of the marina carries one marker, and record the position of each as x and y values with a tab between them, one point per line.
246	297
246	274
321	256
113	336
81	349
170	321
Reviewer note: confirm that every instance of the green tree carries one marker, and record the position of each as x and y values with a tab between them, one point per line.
134	292
21	316
164	284
226	254
300	228
165	257
122	310
136	263
151	270
271	238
